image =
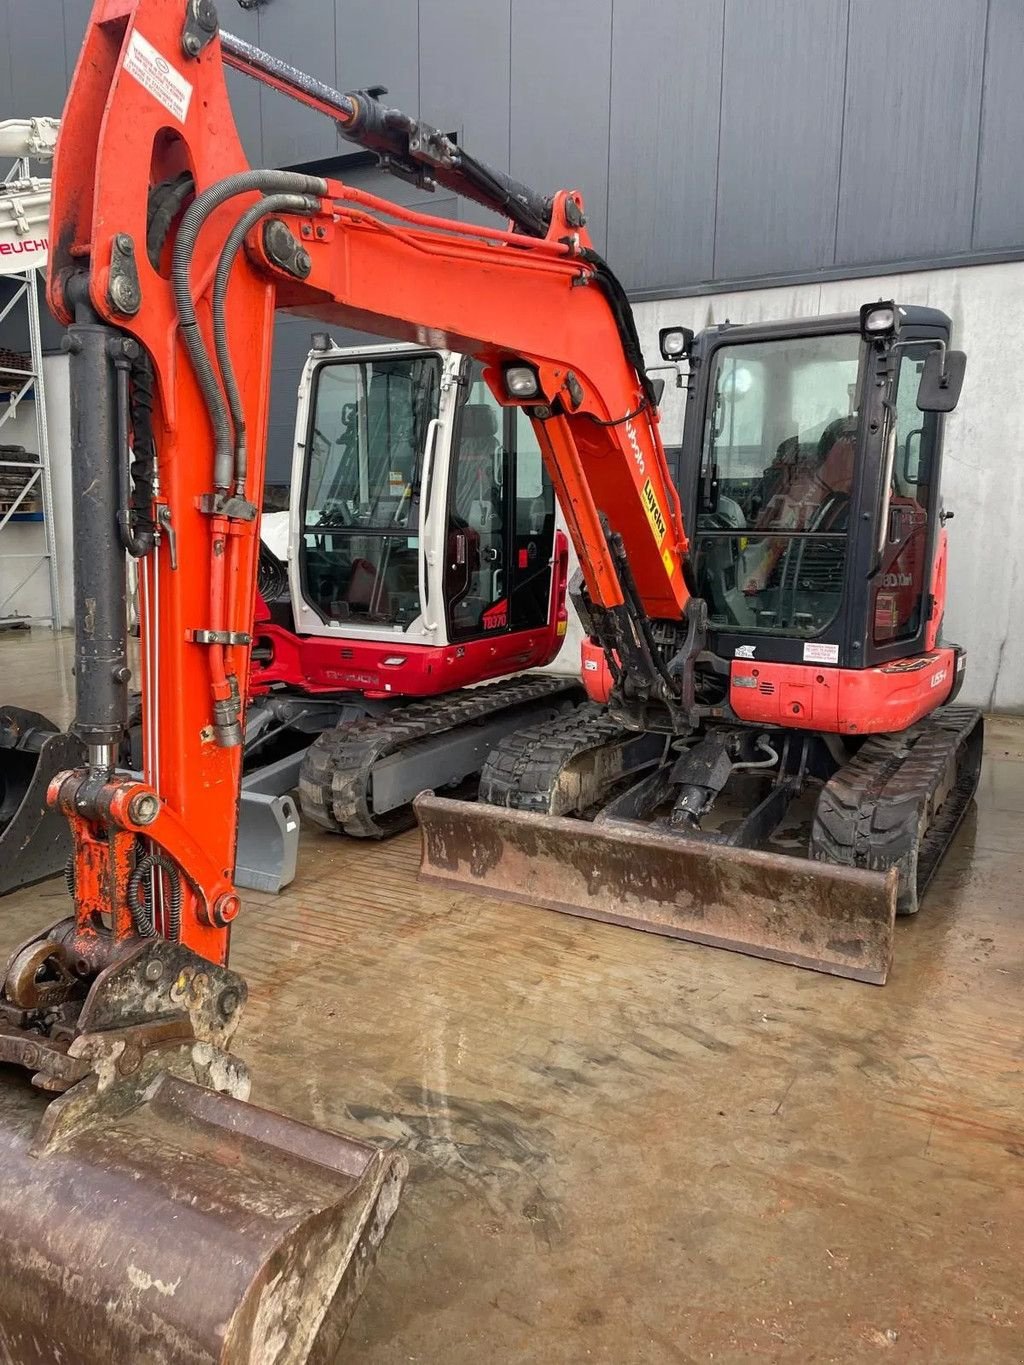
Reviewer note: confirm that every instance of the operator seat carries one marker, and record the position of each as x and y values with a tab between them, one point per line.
477	496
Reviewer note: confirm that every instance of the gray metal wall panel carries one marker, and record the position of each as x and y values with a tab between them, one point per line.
782	111
465	62
636	121
76	16
7	109
378	44
246	95
561	66
664	139
38	80
911	129
303	34
999	205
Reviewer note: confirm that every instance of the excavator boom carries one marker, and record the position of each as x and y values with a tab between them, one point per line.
168	259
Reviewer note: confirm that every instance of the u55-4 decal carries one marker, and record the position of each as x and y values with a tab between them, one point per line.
654	513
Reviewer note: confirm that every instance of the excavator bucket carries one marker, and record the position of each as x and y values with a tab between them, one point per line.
190	1228
808	914
148	1212
34	840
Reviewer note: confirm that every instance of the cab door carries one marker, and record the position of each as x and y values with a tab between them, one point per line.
500	524
899	590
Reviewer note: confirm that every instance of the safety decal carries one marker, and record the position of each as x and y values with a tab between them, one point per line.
653	510
158	76
815	653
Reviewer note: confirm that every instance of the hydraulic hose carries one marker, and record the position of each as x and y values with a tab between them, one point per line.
273	203
195	216
140	899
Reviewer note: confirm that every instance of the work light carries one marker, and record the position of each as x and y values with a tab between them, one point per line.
521	381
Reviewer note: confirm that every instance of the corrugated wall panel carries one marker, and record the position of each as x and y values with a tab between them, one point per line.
561	66
664	140
38	76
75	19
782	114
465	60
999	205
634	121
304	35
245	95
6	94
911	129
378	44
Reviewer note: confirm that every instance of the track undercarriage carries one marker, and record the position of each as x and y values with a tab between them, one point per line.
784	844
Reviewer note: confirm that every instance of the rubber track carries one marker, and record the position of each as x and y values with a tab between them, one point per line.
523	770
336	779
877	811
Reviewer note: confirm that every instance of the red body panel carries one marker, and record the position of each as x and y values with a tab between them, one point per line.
844	701
597	676
938	589
317	664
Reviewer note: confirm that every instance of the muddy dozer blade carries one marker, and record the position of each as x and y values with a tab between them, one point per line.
807	914
190	1227
34	840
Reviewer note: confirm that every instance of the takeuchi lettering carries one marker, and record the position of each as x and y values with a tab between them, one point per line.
28	245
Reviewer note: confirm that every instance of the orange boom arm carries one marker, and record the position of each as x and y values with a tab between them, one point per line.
174	255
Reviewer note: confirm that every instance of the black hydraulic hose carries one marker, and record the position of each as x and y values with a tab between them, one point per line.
622	311
195	216
137	543
140	895
165	203
272	203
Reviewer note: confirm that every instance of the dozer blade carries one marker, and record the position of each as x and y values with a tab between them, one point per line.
34	840
807	914
179	1225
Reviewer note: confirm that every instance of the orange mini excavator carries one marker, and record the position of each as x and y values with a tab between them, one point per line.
148	1212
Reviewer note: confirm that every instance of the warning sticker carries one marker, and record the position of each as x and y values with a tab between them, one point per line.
820	654
654	512
155	72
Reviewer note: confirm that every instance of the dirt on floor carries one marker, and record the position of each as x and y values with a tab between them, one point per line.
629	1149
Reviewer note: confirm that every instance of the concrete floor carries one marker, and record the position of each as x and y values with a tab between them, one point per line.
628	1149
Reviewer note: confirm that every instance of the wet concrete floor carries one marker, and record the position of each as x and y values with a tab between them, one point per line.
627	1149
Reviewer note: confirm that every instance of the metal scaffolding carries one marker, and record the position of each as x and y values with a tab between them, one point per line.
24	223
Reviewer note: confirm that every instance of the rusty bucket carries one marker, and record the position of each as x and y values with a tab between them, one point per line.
808	914
165	1222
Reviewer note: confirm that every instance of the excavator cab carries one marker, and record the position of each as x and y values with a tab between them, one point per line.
816	533
423	522
824	769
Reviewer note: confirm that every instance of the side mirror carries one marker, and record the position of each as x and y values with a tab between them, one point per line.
675	342
941	380
658	385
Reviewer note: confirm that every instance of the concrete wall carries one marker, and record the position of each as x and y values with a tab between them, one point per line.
983	466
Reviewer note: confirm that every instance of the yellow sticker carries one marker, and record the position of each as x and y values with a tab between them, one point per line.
666	559
654	514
